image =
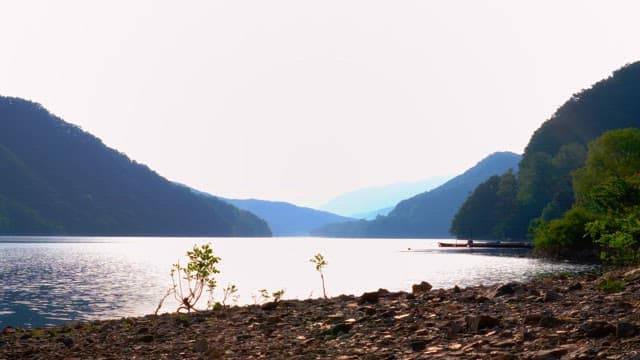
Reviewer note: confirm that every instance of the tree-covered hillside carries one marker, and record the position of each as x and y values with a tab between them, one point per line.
428	214
57	179
559	147
605	217
491	200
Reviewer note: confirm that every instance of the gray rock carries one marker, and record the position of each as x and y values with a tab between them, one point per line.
478	322
582	353
421	288
633	357
597	329
342	328
632	275
369	298
8	330
549	353
67	341
200	346
368	310
501	355
503	290
545	320
550	296
622	307
418	345
383	292
575	286
271	305
625	330
146	338
548	321
453	329
532	319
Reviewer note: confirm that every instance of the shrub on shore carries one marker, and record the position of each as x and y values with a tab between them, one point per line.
190	281
320	262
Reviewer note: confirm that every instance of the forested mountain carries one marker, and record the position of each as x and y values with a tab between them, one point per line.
59	180
558	147
359	203
428	214
491	200
286	219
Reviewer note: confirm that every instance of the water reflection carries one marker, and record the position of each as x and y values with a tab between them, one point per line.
46	281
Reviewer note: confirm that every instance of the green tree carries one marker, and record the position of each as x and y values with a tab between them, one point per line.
607	208
618	237
491	201
565	237
568	158
611	169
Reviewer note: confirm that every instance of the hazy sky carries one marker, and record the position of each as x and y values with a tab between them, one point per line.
303	100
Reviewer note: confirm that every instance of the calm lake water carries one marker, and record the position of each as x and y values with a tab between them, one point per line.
49	280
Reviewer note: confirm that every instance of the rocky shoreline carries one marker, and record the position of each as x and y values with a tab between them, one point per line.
584	316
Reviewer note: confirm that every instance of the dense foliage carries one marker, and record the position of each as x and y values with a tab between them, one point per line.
58	179
490	201
428	214
558	147
606	213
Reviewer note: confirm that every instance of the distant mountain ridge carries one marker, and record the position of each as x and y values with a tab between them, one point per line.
59	180
283	218
429	214
373	214
364	202
286	219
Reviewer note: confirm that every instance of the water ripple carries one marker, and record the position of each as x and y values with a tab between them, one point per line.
47	281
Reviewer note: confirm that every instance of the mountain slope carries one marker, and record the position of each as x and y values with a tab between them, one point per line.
286	219
559	147
372	199
373	214
428	214
58	179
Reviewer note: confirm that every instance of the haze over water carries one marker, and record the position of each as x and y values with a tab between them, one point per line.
49	280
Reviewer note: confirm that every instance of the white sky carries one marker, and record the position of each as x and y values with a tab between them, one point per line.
303	100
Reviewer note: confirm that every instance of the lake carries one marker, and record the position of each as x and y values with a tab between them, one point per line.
50	280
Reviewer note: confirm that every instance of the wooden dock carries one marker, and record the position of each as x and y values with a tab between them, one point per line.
487	244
